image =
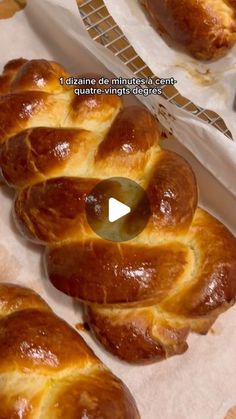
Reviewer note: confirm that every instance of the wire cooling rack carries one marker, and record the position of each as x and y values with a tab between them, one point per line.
103	29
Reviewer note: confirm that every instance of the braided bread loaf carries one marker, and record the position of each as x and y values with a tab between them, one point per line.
207	28
46	368
143	296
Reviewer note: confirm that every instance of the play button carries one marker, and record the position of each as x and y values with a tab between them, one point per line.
117	209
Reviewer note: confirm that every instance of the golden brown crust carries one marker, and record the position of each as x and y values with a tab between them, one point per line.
13	299
90	398
137	134
22	347
32	92
9	8
46	369
191	302
24	106
172	205
43	208
55	209
43	153
143	296
215	275
8	74
83	270
20	75
206	28
138	336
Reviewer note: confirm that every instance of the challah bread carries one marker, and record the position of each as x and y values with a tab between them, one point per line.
206	28
143	296
46	368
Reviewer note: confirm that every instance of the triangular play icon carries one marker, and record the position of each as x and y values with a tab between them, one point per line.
117	210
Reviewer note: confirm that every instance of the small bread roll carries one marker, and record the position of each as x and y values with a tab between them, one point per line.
206	28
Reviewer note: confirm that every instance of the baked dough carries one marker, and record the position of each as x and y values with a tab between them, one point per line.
206	28
47	370
143	296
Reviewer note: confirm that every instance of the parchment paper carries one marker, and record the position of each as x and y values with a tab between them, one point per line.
201	383
209	85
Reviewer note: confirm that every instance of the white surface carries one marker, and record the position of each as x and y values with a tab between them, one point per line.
209	85
201	383
117	210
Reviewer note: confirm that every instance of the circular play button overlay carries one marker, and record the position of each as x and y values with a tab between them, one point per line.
117	209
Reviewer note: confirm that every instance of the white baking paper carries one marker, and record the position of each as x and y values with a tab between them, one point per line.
201	383
209	85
